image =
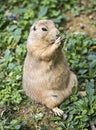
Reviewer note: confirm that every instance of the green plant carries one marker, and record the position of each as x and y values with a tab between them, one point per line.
80	111
83	57
14	124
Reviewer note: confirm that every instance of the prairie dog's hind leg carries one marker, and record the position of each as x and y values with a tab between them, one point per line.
52	99
66	93
73	80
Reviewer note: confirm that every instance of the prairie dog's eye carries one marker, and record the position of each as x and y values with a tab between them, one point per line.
44	29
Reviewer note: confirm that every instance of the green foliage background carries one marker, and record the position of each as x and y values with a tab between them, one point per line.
79	50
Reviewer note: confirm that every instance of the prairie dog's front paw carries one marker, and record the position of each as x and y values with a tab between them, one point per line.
58	41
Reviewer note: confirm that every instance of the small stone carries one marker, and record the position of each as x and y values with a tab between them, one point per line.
90	17
82	26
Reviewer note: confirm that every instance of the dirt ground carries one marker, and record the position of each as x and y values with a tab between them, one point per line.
85	24
29	112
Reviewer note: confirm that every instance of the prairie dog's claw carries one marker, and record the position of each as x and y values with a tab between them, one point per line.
57	111
60	40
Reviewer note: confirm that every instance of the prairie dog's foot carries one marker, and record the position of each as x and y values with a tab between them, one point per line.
57	111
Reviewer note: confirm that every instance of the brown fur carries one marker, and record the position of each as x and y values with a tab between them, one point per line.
46	75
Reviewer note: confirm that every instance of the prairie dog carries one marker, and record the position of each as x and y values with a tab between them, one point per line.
46	76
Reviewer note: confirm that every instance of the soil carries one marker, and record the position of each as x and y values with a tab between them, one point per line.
84	24
28	112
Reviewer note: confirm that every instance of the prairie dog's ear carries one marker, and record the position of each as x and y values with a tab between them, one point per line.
33	27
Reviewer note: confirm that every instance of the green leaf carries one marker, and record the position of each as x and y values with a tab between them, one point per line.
90	88
43	11
74	90
11	66
17	34
92	57
17	127
92	64
12	28
38	116
55	118
43	127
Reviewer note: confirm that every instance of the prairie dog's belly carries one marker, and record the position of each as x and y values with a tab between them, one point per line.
42	76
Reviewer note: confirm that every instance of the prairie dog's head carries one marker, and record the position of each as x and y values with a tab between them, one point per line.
44	31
